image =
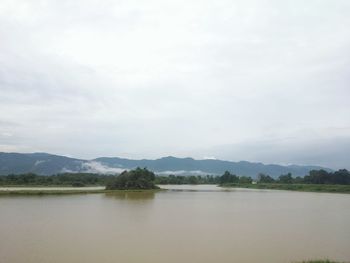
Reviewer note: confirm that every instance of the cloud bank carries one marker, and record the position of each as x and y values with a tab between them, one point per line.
256	80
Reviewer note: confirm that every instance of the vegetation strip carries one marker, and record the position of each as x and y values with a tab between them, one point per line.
141	178
320	261
71	192
294	187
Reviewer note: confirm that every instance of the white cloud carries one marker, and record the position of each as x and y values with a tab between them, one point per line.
183	172
97	167
39	162
209	158
148	79
6	134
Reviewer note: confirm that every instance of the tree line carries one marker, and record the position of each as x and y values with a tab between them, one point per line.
192	179
134	179
341	177
64	179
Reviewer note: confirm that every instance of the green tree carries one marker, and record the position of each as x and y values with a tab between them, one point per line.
227	177
133	179
245	180
285	178
264	178
192	179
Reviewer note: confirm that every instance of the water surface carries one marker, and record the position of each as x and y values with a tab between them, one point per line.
48	188
185	224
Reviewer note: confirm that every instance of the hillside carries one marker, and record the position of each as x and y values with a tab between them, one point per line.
47	164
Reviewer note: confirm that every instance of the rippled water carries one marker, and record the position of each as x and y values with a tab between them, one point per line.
185	224
48	188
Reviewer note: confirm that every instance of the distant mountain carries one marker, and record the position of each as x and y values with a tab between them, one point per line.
40	163
168	165
47	164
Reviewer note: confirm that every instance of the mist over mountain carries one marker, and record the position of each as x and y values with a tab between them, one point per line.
48	164
40	163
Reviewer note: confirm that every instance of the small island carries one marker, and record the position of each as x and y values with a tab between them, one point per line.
138	179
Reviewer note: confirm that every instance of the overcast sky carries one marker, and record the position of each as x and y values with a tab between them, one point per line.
263	80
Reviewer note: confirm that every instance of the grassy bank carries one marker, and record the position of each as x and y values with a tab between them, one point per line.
68	192
49	185
319	261
323	188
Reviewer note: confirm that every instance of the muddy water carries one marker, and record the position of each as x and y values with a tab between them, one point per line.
185	224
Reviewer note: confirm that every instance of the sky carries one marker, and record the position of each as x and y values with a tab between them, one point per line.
257	80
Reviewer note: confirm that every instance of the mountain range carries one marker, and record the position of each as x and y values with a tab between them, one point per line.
48	164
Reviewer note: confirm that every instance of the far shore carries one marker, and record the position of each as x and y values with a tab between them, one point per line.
70	191
99	189
321	188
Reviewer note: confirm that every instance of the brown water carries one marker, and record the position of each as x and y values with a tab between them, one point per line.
200	224
49	188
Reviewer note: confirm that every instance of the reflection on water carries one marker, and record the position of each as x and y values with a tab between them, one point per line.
146	195
48	188
201	224
199	187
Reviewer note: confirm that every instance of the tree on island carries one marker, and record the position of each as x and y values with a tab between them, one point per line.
227	177
264	178
133	180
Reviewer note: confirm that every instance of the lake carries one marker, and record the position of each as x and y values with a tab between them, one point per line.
187	224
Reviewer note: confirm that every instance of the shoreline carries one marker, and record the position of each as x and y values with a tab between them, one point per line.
313	188
71	192
66	190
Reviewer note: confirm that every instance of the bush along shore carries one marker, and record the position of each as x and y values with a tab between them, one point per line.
320	261
316	181
133	180
68	192
138	179
294	187
143	179
90	179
